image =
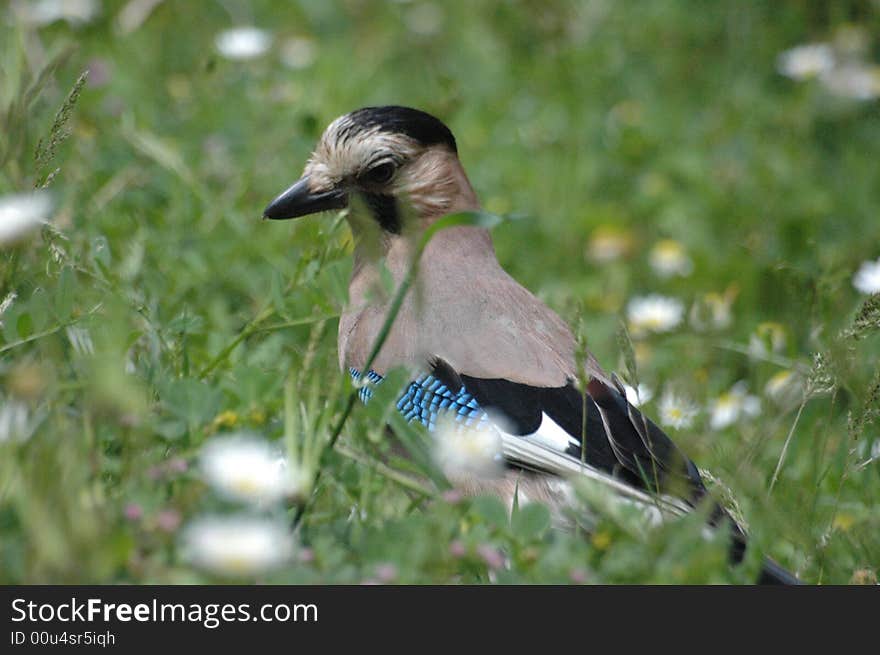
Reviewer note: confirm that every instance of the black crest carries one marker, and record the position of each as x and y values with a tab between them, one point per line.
416	124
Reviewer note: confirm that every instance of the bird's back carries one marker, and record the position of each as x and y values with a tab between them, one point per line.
464	309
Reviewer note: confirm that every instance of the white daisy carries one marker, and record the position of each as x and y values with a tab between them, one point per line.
244	468
677	411
638	396
806	61
731	405
22	213
45	12
853	81
241	43
668	257
237	545
608	243
462	451
653	313
867	278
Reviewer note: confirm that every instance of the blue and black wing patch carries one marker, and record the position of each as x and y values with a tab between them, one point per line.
366	382
428	397
615	438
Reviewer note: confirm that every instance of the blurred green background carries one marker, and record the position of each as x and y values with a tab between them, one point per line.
157	311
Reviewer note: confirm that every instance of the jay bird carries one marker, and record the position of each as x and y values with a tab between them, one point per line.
479	344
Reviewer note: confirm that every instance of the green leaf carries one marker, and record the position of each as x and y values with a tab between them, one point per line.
64	294
9	326
491	510
171	430
191	400
39	309
186	323
530	521
24	325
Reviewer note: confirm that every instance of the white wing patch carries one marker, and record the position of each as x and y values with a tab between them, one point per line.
551	434
544	450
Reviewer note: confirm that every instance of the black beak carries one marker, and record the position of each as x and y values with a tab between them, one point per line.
298	200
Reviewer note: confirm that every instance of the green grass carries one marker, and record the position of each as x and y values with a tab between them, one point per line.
661	119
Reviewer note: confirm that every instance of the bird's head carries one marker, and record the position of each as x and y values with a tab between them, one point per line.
396	160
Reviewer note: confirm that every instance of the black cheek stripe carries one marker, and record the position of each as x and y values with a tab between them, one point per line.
384	209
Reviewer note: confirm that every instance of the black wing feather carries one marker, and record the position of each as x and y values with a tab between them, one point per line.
617	440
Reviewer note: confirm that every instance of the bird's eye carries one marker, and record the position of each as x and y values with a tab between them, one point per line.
380	174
